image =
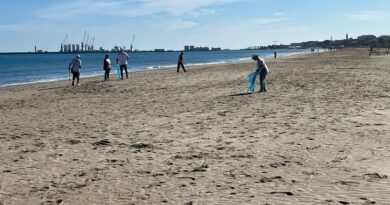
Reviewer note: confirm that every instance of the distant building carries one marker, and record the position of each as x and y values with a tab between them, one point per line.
193	48
216	49
159	50
366	38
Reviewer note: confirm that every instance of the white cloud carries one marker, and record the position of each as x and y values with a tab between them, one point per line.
179	25
279	14
203	12
365	16
173	25
21	28
179	7
274	18
264	21
83	8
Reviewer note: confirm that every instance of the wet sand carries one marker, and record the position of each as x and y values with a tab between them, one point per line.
321	135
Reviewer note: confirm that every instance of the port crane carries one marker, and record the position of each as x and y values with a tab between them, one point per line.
131	45
82	42
87	43
93	43
63	43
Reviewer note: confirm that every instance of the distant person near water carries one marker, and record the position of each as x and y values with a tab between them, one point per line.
122	59
262	70
180	62
75	67
107	67
275	55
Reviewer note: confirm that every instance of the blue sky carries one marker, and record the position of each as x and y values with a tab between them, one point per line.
171	24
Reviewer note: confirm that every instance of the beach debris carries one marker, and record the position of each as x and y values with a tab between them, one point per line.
348	183
373	177
201	168
190	203
282	193
103	143
73	142
142	146
190	178
279	164
243	156
271	179
367	201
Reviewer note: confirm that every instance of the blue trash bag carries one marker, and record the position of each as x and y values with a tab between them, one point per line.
251	81
118	71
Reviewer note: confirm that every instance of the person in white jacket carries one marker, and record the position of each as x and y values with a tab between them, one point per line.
75	67
122	59
262	70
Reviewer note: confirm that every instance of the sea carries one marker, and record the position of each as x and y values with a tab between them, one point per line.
17	69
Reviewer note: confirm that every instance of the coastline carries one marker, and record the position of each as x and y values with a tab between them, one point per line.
93	76
319	136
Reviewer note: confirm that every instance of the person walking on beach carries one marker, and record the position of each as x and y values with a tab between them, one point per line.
122	59
75	67
180	62
107	67
262	70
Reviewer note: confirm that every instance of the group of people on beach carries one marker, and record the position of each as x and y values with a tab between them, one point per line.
122	60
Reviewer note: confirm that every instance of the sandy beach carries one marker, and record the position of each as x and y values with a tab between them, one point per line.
321	135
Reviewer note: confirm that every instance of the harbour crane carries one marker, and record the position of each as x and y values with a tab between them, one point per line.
63	43
93	43
87	43
90	44
82	42
131	45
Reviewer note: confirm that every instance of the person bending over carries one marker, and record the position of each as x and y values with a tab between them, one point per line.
262	70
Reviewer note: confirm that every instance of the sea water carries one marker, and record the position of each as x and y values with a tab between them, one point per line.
18	69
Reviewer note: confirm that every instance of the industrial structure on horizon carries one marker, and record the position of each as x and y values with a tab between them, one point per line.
87	44
193	48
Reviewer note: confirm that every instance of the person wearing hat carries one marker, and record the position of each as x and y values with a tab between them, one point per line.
262	70
75	67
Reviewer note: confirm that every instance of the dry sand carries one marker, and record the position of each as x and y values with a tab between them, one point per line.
321	135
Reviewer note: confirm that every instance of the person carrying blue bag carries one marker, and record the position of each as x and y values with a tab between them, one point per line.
261	70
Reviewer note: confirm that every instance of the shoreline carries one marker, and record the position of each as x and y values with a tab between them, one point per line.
113	73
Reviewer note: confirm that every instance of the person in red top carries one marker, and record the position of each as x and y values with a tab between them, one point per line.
180	62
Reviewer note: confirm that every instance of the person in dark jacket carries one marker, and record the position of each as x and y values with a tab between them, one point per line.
75	67
180	62
107	67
